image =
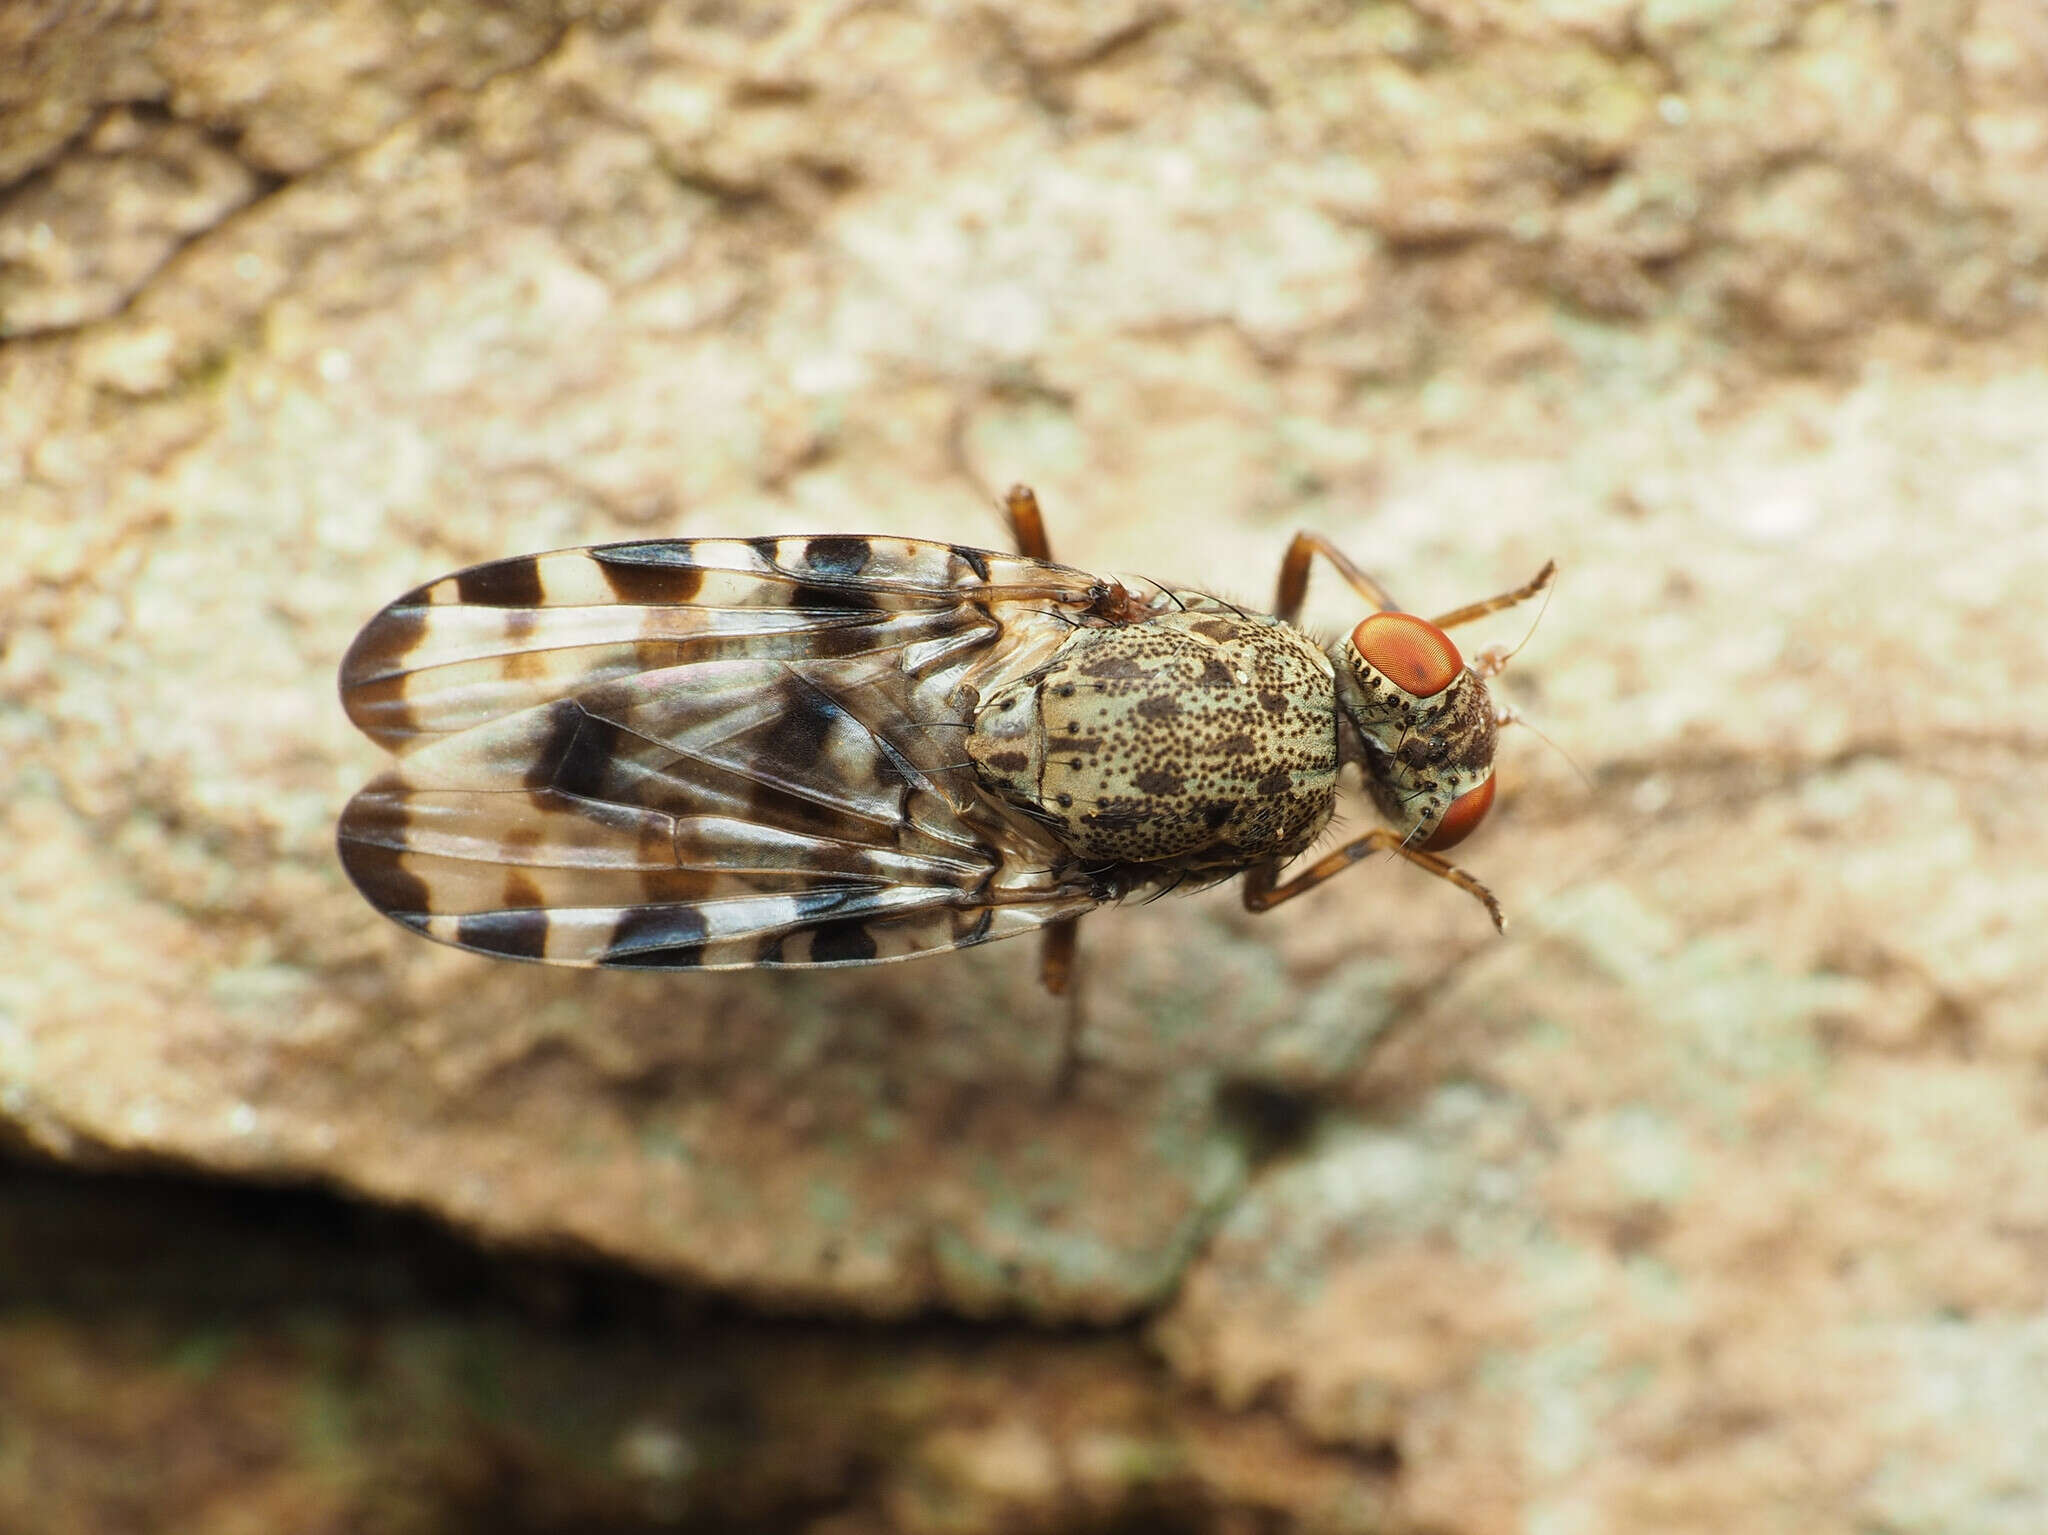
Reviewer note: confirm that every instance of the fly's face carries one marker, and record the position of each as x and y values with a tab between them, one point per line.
1424	728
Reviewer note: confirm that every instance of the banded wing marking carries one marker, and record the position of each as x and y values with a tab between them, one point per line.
786	793
500	637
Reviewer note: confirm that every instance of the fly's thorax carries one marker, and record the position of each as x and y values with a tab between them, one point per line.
1424	732
1204	736
1007	742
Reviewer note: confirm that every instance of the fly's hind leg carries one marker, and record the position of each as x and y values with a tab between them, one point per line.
1056	970
1056	959
1262	890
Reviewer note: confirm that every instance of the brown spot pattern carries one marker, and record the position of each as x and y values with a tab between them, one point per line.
650	574
1112	666
521	891
372	844
838	557
511	583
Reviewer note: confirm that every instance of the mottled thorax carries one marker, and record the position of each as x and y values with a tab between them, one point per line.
1202	735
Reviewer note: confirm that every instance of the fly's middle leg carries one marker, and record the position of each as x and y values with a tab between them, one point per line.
1027	523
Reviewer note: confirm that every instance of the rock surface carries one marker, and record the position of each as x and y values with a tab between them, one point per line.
1714	1197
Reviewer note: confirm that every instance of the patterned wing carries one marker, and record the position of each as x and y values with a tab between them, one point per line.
706	752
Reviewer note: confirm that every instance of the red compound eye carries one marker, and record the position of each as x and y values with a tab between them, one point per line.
1412	653
1462	819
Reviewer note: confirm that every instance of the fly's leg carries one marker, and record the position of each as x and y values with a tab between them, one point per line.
1056	970
1294	577
1262	890
1113	603
1306	546
1027	523
1522	593
1056	959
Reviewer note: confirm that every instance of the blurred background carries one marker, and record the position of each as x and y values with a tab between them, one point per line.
1714	1196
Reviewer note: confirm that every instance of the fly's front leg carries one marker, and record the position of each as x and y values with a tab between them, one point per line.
1293	589
1294	577
1262	890
1522	593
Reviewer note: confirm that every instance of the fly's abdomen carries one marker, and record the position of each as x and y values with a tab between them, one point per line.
1203	737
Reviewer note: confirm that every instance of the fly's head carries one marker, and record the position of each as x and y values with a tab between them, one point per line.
1423	727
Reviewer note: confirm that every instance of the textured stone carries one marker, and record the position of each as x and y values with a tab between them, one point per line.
1711	1198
